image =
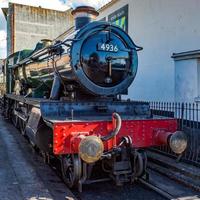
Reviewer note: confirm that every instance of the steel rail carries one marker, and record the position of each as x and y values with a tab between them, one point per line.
157	189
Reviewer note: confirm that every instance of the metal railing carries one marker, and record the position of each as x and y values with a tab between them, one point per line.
188	116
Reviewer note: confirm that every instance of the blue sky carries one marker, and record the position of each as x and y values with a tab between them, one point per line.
51	4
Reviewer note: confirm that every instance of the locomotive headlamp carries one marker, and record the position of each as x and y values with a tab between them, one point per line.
178	142
91	149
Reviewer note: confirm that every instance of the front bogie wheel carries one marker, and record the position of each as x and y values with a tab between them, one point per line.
71	168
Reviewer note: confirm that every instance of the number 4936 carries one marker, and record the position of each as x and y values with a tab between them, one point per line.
107	47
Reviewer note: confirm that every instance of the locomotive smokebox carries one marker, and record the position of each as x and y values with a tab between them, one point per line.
84	15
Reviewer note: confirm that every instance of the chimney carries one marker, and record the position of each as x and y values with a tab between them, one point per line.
84	15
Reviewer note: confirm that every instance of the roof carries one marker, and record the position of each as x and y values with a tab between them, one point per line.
5	10
107	5
186	55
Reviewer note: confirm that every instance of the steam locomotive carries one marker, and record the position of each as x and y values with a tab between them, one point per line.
65	96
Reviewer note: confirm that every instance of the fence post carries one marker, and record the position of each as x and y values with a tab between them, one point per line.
182	115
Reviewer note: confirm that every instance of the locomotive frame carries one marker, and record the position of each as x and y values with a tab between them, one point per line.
57	129
91	127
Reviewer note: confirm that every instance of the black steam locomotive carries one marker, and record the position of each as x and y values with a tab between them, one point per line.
65	96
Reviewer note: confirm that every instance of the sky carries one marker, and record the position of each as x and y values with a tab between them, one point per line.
51	4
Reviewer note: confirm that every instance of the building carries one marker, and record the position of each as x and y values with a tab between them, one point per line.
1	64
187	76
162	28
2	77
26	25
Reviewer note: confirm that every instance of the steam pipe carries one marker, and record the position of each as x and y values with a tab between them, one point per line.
55	91
113	133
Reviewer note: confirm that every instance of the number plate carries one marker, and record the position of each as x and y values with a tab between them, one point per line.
107	47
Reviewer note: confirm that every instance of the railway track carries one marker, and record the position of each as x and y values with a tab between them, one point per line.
153	184
160	191
185	174
55	166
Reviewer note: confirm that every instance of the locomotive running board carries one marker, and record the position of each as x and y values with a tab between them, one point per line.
27	100
55	111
